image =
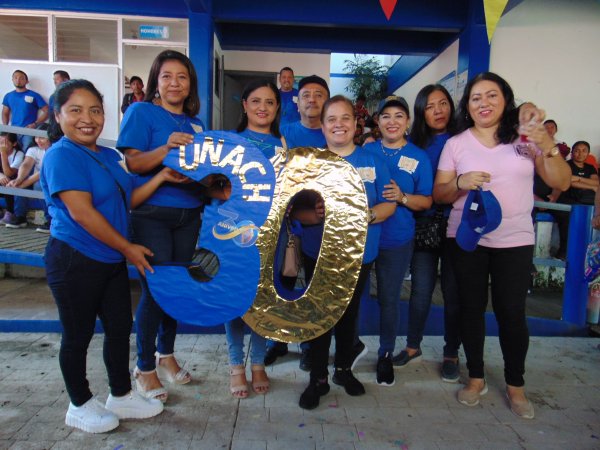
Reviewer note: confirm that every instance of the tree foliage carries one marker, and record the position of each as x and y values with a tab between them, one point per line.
370	78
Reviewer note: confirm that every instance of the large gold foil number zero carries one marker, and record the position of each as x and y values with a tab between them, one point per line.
340	257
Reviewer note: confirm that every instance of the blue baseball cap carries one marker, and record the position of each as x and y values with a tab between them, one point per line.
481	214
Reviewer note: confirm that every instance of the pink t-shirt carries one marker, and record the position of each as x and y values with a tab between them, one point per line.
511	182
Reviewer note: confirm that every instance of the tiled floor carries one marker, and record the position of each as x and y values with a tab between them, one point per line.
419	412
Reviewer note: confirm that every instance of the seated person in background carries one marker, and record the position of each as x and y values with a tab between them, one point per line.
584	184
552	128
58	77
137	95
29	175
11	158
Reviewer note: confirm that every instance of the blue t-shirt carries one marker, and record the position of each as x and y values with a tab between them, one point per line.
411	170
289	107
145	127
23	106
375	174
266	143
67	168
434	151
297	135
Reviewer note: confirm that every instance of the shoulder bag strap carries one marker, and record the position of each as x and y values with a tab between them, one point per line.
121	190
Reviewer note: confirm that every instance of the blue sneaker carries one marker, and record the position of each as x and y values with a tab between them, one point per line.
450	370
403	358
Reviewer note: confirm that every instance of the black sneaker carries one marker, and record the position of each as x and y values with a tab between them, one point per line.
344	377
43	229
385	370
305	360
17	222
277	350
358	352
312	394
450	370
402	358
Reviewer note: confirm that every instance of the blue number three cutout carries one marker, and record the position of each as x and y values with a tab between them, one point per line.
229	230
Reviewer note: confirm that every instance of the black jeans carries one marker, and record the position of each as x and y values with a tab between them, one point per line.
84	288
345	329
509	270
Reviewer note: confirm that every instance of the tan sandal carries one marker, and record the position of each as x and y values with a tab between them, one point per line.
158	393
238	390
260	387
181	377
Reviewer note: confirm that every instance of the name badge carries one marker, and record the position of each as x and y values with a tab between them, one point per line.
28	99
295	99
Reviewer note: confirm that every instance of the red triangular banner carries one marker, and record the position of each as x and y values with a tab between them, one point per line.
388	7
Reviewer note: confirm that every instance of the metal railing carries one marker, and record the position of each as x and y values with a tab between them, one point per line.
30	193
575	292
580	232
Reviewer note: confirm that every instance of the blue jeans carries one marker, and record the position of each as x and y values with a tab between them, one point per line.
171	234
424	269
234	330
24	204
390	268
84	288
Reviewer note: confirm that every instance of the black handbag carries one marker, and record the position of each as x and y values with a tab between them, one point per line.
430	231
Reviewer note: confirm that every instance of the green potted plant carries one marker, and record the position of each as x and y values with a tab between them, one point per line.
370	79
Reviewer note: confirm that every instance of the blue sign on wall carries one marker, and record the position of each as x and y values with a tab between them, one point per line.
154	32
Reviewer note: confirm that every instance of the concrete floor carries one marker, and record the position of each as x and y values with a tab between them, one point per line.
418	412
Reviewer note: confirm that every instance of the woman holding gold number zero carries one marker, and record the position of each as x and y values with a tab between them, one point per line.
339	125
259	125
89	195
169	221
483	160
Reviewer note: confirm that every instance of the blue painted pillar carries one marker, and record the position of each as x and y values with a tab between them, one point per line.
201	31
473	47
575	294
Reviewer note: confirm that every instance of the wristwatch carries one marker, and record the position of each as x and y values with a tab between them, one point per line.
372	216
404	199
554	151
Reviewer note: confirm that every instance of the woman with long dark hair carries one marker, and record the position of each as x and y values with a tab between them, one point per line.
259	124
169	221
433	124
11	158
482	157
89	195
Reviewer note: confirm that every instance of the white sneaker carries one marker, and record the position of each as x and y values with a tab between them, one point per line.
134	406
91	417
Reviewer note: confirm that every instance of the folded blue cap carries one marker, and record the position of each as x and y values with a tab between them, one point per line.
481	214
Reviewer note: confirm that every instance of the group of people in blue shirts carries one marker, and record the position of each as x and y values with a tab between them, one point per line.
102	217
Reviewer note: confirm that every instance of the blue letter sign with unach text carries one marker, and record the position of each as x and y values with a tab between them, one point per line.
229	230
